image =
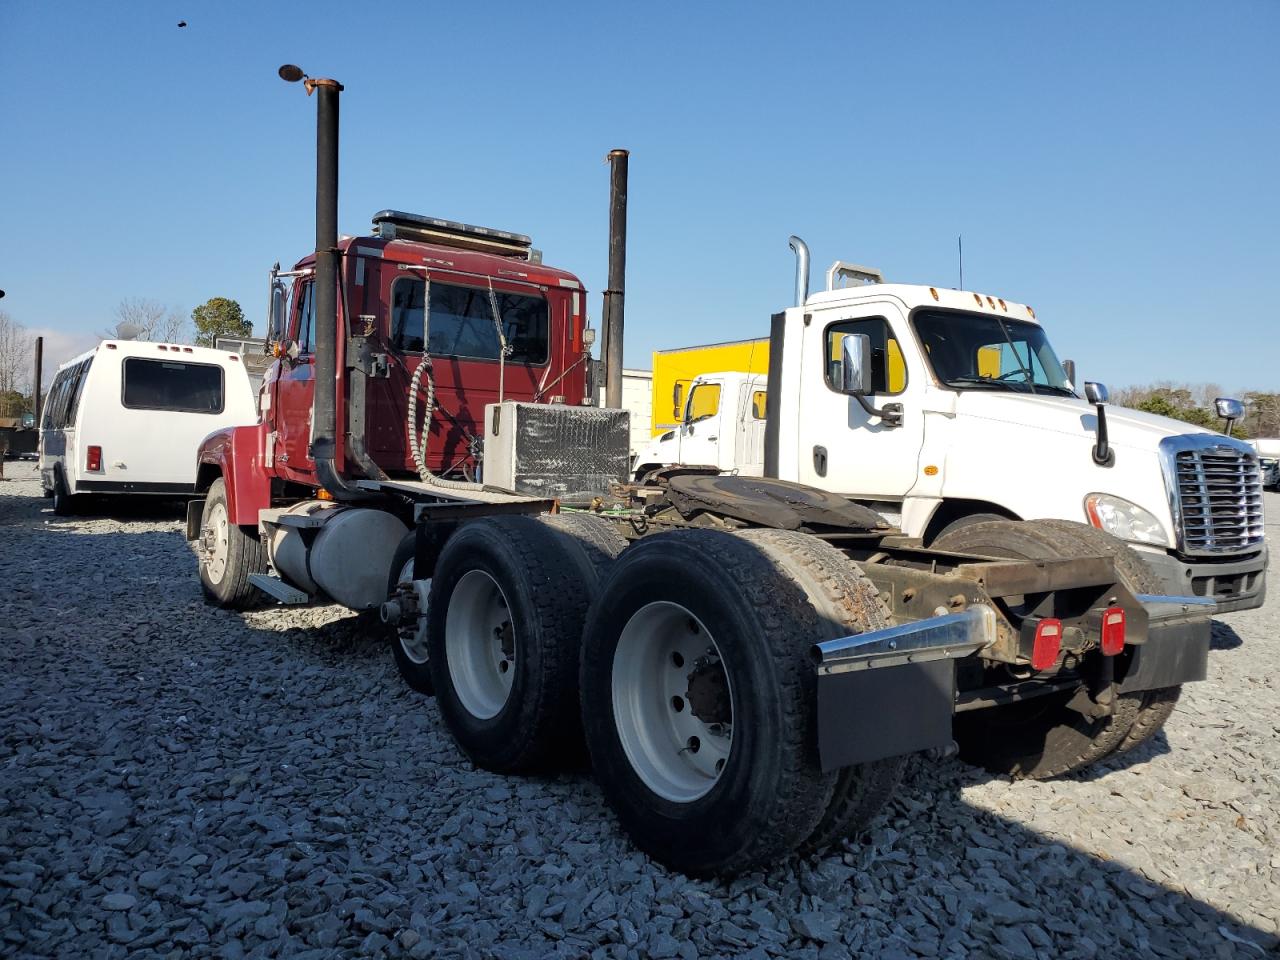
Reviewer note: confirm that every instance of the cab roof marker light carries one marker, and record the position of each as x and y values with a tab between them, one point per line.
977	299
1032	312
991	303
1003	305
934	291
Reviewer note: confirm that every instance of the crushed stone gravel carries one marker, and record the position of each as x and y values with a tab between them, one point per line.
180	781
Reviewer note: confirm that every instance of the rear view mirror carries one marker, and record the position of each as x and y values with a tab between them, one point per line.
1228	408
277	309
855	364
1096	393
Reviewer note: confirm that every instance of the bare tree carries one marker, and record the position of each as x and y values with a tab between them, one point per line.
141	319
15	363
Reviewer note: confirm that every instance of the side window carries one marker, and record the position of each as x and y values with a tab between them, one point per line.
758	399
77	389
52	419
888	369
306	315
704	402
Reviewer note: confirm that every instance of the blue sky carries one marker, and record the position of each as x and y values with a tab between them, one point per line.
1114	165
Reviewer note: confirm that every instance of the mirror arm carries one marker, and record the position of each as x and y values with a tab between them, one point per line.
890	414
1103	455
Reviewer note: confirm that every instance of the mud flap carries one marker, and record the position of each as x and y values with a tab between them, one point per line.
866	715
195	513
892	692
1176	650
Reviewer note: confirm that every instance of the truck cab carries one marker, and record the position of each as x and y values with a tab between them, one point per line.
475	305
722	426
967	414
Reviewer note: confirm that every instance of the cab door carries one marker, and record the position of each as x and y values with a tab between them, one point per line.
699	435
294	385
843	448
748	458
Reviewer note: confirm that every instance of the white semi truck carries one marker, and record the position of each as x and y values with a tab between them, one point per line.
967	415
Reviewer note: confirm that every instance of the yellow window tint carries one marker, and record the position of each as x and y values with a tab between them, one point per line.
758	404
888	366
704	401
897	368
989	361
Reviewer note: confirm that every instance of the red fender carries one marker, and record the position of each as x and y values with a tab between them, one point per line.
236	453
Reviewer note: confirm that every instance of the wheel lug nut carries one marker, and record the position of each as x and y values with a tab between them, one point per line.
677	704
694	744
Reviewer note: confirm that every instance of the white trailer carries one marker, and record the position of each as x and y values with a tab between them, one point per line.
637	400
128	416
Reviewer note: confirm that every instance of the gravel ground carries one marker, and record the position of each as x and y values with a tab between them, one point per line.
181	781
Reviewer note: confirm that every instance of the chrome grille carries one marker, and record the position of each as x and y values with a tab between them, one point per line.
1216	493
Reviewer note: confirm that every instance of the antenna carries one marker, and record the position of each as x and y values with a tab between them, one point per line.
960	247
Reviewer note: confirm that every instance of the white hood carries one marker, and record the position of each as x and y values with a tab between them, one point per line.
1126	428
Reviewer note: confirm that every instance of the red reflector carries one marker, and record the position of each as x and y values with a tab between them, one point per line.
235	358
111	346
93	461
1044	653
1112	631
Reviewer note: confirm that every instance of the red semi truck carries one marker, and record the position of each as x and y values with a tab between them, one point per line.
747	662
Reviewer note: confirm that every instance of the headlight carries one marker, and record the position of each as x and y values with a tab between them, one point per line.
1123	519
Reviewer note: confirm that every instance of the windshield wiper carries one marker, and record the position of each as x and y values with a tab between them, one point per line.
1026	370
982	382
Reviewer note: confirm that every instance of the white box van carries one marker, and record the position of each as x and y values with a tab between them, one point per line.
128	416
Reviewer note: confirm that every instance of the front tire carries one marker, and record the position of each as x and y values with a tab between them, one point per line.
1157	705
228	554
698	702
1040	738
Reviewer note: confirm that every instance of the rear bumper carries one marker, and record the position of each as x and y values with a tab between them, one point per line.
892	692
1231	584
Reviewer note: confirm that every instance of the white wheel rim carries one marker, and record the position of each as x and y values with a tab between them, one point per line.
666	662
476	629
412	634
216	543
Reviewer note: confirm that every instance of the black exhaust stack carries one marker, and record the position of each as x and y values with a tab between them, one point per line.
324	403
613	296
35	400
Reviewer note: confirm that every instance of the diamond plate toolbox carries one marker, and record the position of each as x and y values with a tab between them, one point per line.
554	450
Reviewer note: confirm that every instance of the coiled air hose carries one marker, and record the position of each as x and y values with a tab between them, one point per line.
418	443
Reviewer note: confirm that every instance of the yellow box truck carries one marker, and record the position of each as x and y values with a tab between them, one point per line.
674	371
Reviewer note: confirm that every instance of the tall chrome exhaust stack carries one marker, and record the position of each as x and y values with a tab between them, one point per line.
802	269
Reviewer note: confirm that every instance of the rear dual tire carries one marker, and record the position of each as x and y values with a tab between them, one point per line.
698	697
508	600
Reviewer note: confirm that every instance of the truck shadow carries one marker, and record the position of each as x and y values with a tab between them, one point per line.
1224	637
261	733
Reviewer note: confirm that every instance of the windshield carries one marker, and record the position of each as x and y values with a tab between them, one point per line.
973	351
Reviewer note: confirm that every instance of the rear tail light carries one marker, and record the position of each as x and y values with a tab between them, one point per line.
1044	652
1112	631
93	460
